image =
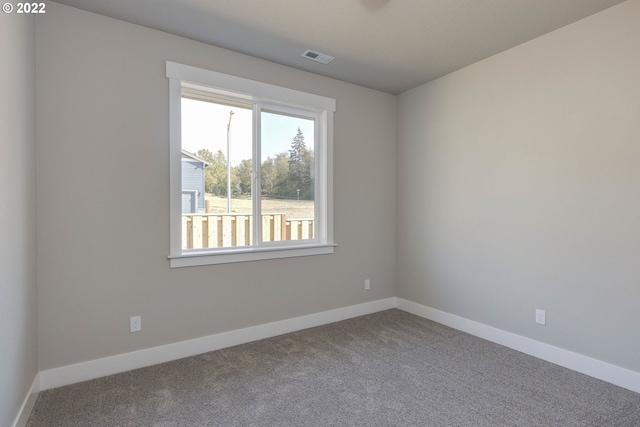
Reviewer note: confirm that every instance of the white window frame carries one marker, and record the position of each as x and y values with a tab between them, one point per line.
268	97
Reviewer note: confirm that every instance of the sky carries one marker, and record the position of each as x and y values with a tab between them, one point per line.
204	125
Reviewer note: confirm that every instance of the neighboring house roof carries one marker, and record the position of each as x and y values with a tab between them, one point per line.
195	157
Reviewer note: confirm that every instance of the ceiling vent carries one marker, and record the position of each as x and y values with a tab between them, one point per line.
317	56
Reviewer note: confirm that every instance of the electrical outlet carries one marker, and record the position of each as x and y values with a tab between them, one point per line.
541	317
135	324
367	284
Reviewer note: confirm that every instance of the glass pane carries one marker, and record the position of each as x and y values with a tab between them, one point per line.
216	210
287	177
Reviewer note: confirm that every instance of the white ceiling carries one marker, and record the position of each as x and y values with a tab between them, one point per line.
389	45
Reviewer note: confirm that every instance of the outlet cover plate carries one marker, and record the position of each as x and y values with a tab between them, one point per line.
135	324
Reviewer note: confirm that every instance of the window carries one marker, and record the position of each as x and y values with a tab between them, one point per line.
250	169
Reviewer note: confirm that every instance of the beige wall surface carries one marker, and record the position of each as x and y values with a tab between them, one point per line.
519	188
18	304
103	158
103	197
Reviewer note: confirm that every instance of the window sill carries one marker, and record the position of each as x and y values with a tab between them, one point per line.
247	254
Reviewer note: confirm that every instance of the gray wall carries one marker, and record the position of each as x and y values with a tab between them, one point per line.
103	95
519	188
18	311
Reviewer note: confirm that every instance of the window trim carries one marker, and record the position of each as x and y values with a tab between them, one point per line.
263	93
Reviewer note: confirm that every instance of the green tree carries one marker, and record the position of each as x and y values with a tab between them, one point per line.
215	175
300	167
308	160
242	176
275	176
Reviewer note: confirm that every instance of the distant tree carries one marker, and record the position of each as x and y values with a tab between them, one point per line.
205	154
275	175
267	177
300	167
242	177
215	175
308	161
281	176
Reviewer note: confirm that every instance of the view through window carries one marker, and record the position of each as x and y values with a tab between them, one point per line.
250	168
219	185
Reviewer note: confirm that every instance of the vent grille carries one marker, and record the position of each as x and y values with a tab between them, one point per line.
317	56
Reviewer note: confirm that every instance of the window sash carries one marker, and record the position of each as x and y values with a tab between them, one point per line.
319	153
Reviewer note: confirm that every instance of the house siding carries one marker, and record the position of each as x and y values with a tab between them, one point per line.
193	179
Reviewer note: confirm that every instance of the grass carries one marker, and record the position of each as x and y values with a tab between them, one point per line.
293	208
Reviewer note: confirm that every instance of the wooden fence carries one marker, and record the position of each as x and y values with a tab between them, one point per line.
214	230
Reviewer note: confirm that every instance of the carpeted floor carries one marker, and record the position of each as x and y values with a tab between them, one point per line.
385	369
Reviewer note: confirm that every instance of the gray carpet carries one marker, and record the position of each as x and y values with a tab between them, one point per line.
386	369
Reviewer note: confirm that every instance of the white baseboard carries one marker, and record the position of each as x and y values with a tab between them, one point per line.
84	371
595	368
27	405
